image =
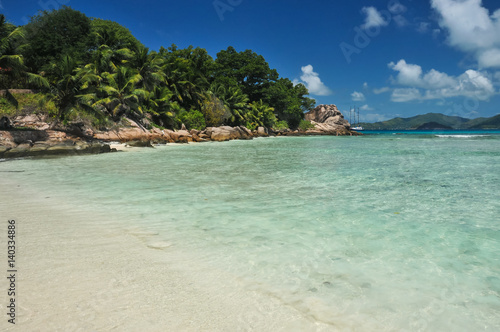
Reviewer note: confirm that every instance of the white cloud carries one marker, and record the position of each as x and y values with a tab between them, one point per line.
434	79
489	58
405	95
313	82
408	74
357	96
381	90
366	108
396	7
471	28
365	85
373	117
373	18
437	85
423	27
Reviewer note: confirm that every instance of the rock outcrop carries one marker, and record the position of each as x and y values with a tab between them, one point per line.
36	137
328	120
27	143
34	121
226	133
134	132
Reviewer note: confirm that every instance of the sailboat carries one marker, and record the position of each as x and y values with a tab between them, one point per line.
356	127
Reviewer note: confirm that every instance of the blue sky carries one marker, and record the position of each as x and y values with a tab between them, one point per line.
389	58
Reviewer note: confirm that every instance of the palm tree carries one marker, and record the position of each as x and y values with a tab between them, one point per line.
70	87
162	106
149	65
11	62
235	101
261	115
106	59
120	95
186	74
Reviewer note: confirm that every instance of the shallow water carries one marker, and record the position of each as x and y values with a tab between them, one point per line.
382	232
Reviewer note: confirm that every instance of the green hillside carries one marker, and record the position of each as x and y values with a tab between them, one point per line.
488	123
454	122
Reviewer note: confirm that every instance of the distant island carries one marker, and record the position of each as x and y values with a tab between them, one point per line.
433	126
435	121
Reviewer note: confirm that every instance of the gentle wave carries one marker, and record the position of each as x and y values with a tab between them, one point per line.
462	136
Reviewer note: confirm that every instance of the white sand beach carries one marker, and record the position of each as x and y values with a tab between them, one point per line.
77	273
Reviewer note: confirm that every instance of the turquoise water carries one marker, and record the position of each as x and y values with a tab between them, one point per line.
380	232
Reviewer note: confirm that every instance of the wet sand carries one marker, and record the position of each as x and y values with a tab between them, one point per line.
82	273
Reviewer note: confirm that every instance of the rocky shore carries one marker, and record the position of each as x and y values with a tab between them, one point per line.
31	135
328	120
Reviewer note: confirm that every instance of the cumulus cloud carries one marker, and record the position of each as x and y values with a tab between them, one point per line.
405	94
423	27
374	117
471	28
312	81
437	85
381	90
489	58
373	18
396	7
357	96
366	108
408	74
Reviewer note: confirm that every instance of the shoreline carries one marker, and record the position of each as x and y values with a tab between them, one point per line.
59	143
38	139
81	274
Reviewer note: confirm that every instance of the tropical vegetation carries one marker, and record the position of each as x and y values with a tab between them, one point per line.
89	68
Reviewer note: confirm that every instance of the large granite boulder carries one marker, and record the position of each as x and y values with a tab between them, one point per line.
34	121
322	112
131	132
328	120
226	133
262	132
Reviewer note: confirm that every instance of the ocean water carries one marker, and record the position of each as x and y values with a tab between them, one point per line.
384	232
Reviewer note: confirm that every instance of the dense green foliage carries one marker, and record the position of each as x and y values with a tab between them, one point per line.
112	34
454	122
11	63
98	69
27	103
55	34
13	71
304	125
